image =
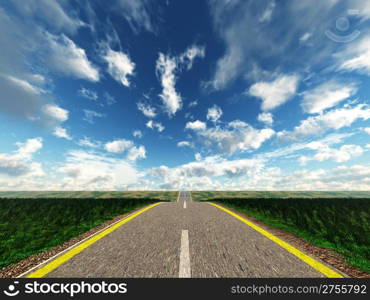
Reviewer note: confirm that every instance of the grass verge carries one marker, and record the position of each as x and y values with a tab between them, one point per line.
33	225
341	225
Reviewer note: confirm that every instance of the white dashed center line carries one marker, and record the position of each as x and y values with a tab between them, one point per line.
184	269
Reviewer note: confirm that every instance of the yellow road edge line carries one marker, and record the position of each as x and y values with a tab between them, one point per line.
74	251
304	257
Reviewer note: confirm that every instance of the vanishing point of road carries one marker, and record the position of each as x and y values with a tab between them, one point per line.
183	239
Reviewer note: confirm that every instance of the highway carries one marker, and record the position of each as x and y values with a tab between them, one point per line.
183	239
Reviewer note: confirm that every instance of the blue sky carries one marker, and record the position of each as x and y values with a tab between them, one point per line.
200	95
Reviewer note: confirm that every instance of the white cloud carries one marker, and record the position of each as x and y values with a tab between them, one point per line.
341	178
25	150
137	134
237	23
58	14
267	14
68	59
120	66
136	153
266	118
196	125
94	171
193	103
87	142
356	57
324	152
118	146
147	110
23	84
190	54
333	119
238	136
198	174
367	130
184	144
56	112
23	91
109	99
89	94
211	166
20	163
166	67
214	113
155	125
326	96
275	93
90	115
61	133
136	13
305	37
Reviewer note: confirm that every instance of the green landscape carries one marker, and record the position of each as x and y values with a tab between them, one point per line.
44	220
325	220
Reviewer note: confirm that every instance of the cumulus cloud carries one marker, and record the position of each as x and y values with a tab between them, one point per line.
137	134
87	142
333	119
88	94
118	146
155	125
190	54
61	133
120	66
351	178
266	118
367	130
196	125
136	153
193	103
166	68
56	112
147	110
326	96
355	57
20	163
214	113
202	173
85	170
184	144
68	59
324	152
275	93
237	136
90	115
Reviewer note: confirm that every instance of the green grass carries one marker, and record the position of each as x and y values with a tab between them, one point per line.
158	195
32	225
342	225
205	195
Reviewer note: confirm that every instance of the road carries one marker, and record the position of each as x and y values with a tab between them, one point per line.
182	239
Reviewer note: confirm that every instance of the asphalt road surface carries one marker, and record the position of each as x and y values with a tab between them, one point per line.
184	239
